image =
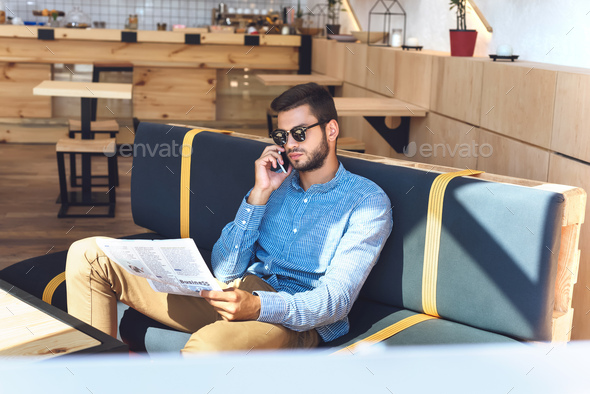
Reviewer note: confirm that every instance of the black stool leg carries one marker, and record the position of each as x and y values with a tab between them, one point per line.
114	135
95	78
63	187
116	170
112	165
269	122
73	173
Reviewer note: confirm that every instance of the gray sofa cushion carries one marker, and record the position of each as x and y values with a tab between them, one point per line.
371	317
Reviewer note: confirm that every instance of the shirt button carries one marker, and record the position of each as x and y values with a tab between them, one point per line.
305	200
294	230
243	222
247	209
236	246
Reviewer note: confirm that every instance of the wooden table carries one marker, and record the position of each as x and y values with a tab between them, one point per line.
86	91
374	110
31	327
296	79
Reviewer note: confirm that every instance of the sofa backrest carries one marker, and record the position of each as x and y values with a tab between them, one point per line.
499	242
498	250
222	172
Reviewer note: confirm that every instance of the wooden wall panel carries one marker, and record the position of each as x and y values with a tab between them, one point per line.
412	77
17	81
178	94
335	53
327	57
518	101
39	131
512	158
380	70
352	126
355	60
443	141
319	56
570	172
572	116
456	88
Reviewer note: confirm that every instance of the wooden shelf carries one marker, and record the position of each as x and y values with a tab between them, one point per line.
367	106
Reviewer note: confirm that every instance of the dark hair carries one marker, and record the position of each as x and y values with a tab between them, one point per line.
321	104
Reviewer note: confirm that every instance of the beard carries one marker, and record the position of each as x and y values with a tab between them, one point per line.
317	158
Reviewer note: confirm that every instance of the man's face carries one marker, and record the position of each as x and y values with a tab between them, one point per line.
310	154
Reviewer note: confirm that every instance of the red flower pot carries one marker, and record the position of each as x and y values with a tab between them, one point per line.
463	42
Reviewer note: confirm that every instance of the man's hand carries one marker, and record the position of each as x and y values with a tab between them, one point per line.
267	180
233	304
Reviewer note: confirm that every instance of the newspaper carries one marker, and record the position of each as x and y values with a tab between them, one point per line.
172	266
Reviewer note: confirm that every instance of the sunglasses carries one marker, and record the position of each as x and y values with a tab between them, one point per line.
280	136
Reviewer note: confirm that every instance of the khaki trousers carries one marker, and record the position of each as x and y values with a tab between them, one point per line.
94	285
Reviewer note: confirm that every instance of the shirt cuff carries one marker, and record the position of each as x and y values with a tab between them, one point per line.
273	307
249	216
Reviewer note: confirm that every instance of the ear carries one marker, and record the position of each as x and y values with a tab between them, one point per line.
332	130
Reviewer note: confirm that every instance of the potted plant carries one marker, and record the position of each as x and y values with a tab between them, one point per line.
333	16
462	39
299	17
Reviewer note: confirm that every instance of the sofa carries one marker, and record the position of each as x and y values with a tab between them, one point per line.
504	249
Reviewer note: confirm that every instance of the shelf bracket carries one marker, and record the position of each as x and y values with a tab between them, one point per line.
398	138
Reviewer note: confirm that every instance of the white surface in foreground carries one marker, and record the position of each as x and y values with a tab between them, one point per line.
497	369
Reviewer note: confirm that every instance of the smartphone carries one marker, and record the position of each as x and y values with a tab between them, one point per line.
284	167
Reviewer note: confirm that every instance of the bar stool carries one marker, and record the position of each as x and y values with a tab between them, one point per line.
101	147
110	127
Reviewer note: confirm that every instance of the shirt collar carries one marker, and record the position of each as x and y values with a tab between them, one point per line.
321	187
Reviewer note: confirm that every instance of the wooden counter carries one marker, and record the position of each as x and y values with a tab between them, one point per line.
269	52
32	32
174	73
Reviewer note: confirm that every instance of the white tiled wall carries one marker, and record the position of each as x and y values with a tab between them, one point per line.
190	13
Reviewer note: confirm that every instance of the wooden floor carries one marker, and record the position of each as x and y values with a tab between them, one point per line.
29	226
29	186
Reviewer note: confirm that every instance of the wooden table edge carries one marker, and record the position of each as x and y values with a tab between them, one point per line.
108	344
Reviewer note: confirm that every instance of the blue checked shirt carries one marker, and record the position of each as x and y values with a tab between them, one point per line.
315	247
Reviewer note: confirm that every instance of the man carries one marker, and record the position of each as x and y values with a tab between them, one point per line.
292	262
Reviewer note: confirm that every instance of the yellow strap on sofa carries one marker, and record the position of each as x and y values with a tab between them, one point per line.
430	269
185	181
432	244
386	332
52	286
185	178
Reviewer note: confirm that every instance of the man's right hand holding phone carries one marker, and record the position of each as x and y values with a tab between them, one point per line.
266	179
